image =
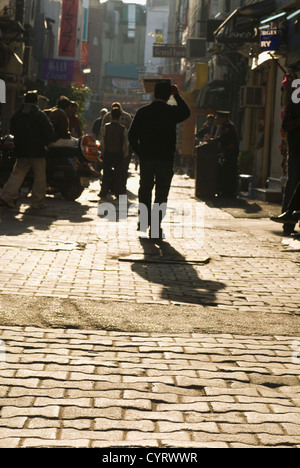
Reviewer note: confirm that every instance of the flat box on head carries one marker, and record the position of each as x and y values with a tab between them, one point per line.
149	83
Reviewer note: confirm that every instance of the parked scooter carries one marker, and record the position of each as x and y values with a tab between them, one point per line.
69	170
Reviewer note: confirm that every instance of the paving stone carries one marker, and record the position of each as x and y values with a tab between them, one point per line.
92	435
73	412
108	424
39	443
12	442
13	411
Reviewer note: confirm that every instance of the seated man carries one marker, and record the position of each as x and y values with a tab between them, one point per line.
209	128
59	116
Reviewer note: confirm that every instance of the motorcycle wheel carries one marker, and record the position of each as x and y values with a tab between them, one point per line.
71	189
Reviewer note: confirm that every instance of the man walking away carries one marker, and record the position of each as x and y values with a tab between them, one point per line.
32	132
114	137
152	136
125	118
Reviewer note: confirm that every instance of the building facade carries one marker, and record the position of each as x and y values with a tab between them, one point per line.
266	34
237	53
122	53
41	41
156	33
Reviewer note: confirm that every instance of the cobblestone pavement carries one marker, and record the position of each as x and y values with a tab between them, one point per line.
70	252
70	388
97	388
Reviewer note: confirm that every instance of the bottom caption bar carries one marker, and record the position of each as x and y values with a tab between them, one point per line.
143	456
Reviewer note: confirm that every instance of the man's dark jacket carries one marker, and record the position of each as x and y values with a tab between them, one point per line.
152	134
32	132
291	125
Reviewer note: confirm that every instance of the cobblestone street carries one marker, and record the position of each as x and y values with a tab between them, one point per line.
199	345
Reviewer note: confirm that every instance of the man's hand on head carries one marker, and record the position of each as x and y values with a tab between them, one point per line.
174	90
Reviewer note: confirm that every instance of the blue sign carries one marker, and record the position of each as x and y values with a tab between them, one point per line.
269	39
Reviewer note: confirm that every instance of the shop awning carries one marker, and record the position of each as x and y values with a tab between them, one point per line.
216	94
242	24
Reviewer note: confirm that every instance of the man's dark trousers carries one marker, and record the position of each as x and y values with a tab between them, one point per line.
294	204
293	177
158	173
291	185
112	179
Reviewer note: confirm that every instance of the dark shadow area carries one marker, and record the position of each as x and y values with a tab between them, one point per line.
164	265
73	211
15	222
244	207
12	226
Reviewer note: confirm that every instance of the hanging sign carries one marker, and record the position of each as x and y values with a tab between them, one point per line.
269	39
68	29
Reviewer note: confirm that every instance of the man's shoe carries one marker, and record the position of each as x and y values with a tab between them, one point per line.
296	214
288	229
285	218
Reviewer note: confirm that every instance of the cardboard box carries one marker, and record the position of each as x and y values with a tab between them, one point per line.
149	83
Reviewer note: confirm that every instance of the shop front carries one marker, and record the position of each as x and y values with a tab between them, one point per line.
267	33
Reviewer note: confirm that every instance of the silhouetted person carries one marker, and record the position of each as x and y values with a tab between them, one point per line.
152	136
32	132
114	137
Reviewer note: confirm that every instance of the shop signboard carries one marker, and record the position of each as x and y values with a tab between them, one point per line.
269	39
58	70
169	51
68	29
